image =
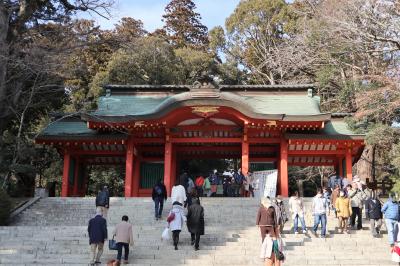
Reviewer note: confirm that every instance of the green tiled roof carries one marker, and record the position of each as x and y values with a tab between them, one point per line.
131	105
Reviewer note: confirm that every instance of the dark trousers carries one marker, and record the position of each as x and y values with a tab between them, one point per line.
196	239
200	191
356	212
226	187
236	188
126	247
175	237
158	206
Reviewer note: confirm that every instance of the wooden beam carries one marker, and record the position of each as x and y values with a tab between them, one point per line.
98	152
313	164
129	171
265	140
284	177
206	140
168	166
65	177
317	153
349	165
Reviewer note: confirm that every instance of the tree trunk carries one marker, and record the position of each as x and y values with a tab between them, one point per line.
365	166
4	53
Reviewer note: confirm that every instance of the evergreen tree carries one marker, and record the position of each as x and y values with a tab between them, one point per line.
183	25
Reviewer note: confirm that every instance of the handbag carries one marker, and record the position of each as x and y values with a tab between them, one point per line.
165	234
278	254
112	244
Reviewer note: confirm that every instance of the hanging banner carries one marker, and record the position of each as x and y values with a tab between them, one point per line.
265	183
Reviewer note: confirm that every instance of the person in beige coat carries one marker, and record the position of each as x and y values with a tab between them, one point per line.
123	237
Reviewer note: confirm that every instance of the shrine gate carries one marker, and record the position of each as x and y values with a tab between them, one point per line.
134	125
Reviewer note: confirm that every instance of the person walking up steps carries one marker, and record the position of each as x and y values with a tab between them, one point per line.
343	210
176	218
97	231
296	207
195	222
374	214
178	193
391	212
159	195
320	206
123	237
266	219
103	201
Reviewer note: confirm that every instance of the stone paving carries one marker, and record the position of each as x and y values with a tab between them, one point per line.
54	232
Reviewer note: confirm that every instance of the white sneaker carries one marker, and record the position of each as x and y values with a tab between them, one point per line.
296	233
304	231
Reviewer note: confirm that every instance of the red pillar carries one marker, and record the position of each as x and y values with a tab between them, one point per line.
65	185
130	156
340	164
349	165
284	178
75	191
173	166
167	166
136	178
245	156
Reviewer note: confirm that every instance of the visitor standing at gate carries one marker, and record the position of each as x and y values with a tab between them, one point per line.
226	184
124	238
103	201
199	185
207	187
97	231
239	180
178	193
214	183
159	195
176	218
320	206
195	222
296	208
391	212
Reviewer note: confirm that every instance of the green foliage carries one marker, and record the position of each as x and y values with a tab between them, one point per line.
112	177
5	207
183	25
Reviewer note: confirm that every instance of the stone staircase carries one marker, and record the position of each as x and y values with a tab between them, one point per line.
54	232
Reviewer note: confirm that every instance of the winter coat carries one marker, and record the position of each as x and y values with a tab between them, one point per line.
195	218
373	209
356	198
391	210
180	218
190	186
334	196
267	245
178	194
103	199
213	179
123	233
319	204
97	230
163	195
280	211
296	206
343	207
266	216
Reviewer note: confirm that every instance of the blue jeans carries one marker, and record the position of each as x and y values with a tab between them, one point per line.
392	228
126	247
320	218
296	221
158	206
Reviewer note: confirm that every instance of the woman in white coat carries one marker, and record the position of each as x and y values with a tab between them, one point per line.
176	219
178	193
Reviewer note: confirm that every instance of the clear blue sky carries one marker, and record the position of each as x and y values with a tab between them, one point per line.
213	12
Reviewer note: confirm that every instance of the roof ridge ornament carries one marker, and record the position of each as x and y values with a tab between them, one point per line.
205	87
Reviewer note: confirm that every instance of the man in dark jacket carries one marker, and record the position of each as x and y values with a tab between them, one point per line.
374	214
159	195
103	201
195	222
97	230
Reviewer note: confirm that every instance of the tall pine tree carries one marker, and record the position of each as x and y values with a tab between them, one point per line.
183	25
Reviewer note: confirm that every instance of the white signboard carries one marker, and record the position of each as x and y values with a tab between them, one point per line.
265	183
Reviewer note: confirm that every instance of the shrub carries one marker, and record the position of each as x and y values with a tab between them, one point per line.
5	207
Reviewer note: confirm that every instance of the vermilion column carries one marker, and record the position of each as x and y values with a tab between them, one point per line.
75	190
173	166
130	157
245	156
65	185
136	178
340	164
284	178
349	165
168	166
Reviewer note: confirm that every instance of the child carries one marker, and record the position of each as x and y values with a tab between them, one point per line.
176	218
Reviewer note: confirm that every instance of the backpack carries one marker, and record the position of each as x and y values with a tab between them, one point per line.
199	182
171	217
158	190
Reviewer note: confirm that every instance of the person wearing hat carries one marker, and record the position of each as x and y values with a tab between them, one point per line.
356	199
373	213
391	212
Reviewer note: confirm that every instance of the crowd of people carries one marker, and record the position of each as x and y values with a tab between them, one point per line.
346	201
